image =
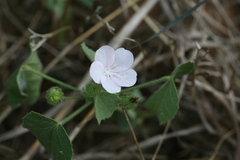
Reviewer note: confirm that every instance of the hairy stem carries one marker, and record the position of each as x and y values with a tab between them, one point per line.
133	134
161	141
74	98
62	122
50	78
166	78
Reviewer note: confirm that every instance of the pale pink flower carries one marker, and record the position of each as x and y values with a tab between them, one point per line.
112	69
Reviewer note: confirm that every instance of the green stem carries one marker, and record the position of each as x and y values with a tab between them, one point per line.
133	134
62	122
166	78
73	98
50	78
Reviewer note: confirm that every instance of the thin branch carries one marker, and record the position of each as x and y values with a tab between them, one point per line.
220	142
133	134
161	140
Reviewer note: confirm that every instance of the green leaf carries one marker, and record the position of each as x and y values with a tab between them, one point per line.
50	134
88	52
24	85
164	102
15	96
182	69
105	105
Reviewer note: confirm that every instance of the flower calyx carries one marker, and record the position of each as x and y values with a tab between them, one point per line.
91	90
54	95
128	100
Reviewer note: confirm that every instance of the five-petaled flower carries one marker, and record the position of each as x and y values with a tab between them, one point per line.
111	68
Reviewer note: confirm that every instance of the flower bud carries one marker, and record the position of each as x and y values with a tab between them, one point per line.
54	95
128	100
91	90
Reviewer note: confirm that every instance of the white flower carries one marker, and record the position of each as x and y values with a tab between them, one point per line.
112	69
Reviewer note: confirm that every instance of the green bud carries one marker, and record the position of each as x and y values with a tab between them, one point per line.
128	100
54	95
91	90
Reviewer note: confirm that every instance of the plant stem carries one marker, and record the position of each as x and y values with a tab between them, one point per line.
133	134
161	141
62	122
166	78
73	97
50	78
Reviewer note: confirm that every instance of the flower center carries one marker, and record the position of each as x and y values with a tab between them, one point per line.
108	72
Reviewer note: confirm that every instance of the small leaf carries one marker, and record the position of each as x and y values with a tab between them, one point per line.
88	52
50	134
164	102
24	84
182	69
105	105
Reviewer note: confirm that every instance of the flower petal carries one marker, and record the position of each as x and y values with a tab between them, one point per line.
105	55
96	71
109	85
125	79
123	60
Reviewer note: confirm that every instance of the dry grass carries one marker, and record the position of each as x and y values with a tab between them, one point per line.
207	124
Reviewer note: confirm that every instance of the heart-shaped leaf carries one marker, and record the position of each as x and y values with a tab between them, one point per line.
164	102
24	85
105	105
50	134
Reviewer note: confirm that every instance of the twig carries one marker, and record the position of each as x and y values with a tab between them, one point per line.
161	141
45	37
110	28
224	137
48	35
153	140
133	134
194	72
